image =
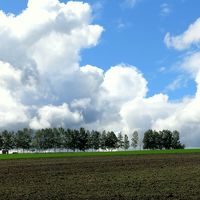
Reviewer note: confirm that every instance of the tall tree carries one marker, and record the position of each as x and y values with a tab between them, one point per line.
67	139
60	140
134	139
83	139
57	138
8	140
148	140
120	142
158	140
126	142
176	144
1	142
41	139
111	140
166	138
23	139
49	142
103	140
95	139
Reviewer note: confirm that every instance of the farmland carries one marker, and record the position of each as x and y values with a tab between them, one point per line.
112	175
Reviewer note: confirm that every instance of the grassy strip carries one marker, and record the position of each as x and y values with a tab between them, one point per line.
89	154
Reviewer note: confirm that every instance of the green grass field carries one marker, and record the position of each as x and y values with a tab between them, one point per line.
90	154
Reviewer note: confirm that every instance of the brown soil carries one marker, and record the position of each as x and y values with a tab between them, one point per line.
129	177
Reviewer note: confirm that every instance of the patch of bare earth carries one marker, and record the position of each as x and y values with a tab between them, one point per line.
129	177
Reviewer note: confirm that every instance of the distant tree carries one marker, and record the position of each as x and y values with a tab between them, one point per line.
126	142
166	139
103	140
148	140
8	140
176	144
49	138
158	140
41	139
67	139
83	139
120	142
23	139
111	140
95	139
134	139
57	138
1	142
74	145
89	142
60	139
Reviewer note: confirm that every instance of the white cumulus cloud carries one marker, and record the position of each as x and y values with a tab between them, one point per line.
124	83
43	85
55	116
186	114
183	41
39	59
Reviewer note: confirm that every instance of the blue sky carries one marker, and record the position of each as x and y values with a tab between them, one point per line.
134	35
139	41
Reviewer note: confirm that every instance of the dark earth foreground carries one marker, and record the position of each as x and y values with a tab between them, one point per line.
128	177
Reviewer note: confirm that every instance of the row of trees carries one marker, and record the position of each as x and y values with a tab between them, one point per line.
162	140
82	140
59	138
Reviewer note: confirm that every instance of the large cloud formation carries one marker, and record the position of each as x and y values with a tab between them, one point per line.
43	85
39	68
186	117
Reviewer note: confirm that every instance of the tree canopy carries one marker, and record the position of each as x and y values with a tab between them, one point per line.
83	140
164	139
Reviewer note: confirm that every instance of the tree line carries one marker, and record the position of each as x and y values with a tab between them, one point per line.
164	139
82	140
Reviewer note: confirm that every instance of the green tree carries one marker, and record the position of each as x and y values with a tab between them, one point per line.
120	142
103	140
176	144
43	139
83	139
126	142
149	140
111	140
49	139
8	140
67	139
38	140
166	138
60	140
1	142
71	139
134	139
23	139
57	138
95	140
158	140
